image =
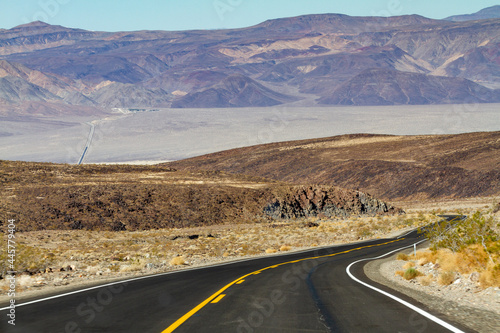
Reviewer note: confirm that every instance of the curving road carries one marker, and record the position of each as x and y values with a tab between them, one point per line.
311	291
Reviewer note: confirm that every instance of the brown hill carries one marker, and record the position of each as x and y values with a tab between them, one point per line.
54	196
389	167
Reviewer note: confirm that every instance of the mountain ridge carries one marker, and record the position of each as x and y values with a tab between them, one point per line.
390	167
312	54
483	14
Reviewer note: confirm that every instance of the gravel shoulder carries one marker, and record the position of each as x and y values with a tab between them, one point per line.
461	302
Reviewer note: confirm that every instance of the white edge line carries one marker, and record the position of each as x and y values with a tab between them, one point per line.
166	273
411	306
174	272
125	281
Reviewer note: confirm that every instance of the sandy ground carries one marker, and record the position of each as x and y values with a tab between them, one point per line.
172	134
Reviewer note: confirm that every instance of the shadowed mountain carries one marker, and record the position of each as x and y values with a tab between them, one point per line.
483	14
262	65
387	87
120	95
15	89
53	86
233	91
389	167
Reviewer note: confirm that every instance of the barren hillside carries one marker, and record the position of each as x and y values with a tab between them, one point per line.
55	196
389	167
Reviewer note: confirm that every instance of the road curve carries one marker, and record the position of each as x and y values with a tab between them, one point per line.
299	292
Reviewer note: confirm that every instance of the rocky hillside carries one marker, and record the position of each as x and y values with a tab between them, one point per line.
317	59
388	87
51	196
324	201
389	167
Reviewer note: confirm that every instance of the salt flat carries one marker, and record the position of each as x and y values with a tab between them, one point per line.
172	134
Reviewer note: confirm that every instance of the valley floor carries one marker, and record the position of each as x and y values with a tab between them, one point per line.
173	134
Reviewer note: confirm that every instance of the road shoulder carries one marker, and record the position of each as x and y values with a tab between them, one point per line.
459	309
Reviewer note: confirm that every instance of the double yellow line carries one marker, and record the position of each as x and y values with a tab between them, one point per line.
216	297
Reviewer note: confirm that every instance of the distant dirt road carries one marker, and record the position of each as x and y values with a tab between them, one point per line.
89	141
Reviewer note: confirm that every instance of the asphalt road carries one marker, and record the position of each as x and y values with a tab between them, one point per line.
298	292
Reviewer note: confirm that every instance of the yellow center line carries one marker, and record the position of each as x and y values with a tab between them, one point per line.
221	296
218	295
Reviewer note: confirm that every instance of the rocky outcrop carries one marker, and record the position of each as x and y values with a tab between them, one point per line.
323	201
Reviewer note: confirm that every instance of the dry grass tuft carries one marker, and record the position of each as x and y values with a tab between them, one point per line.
425	257
411	273
490	277
402	256
425	280
446	278
409	264
284	248
131	268
177	261
269	251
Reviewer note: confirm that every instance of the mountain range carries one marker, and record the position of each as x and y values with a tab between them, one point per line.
486	13
311	60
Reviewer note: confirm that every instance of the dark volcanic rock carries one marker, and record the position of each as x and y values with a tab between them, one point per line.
326	201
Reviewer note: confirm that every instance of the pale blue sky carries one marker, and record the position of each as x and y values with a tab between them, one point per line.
126	15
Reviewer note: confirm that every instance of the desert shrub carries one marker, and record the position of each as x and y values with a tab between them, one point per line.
424	280
269	251
490	277
456	235
409	264
177	261
285	248
496	207
425	257
446	278
364	232
402	256
131	268
27	258
411	273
